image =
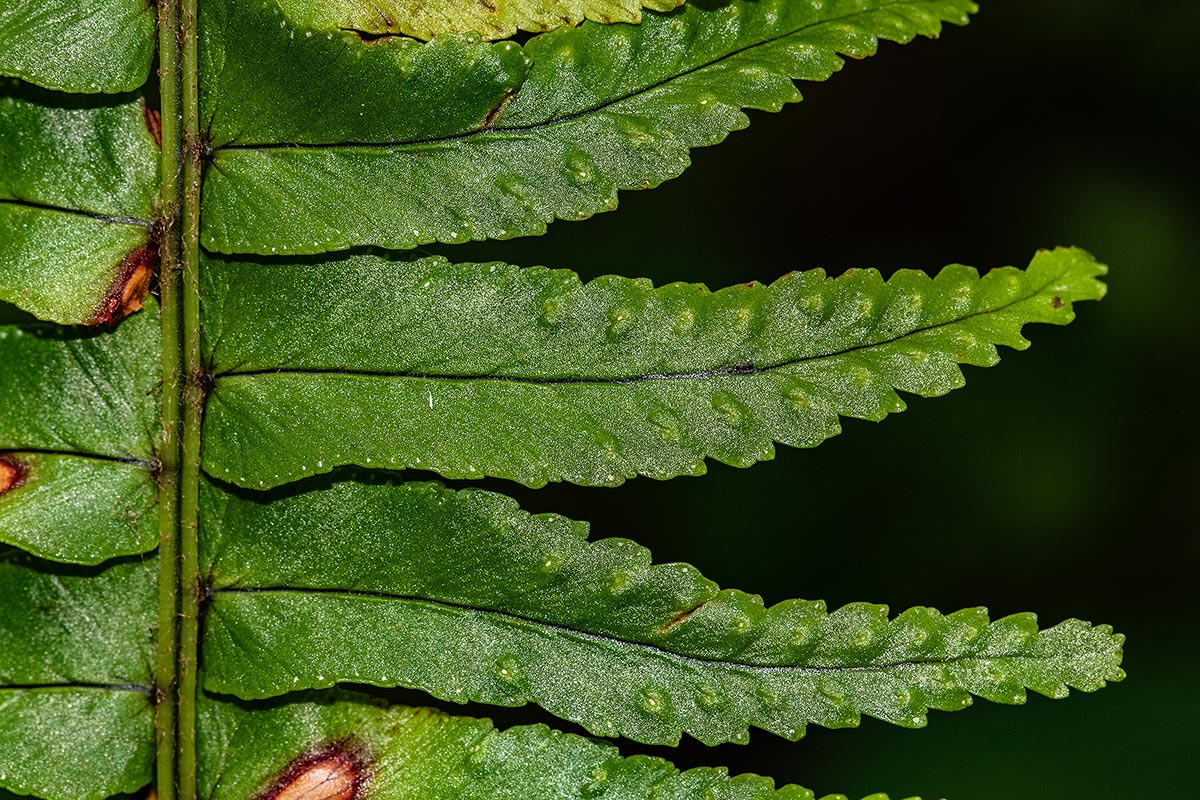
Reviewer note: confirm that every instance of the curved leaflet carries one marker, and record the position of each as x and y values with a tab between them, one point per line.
473	370
78	196
598	109
78	426
75	690
72	46
467	597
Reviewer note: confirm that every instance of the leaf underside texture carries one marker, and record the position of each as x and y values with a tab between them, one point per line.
75	709
323	142
465	596
423	753
527	374
77	433
78	182
494	19
418	752
73	46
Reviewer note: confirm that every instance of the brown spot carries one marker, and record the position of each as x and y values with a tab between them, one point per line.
1057	302
678	618
495	112
489	5
153	124
334	772
12	473
129	289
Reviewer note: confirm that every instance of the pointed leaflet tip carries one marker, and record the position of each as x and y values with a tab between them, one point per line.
131	285
12	474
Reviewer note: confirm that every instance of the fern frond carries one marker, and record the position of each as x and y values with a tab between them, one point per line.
474	370
78	180
73	46
326	143
77	440
421	752
467	597
76	716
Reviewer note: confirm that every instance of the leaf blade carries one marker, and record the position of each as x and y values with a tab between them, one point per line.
420	752
474	370
78	428
78	181
78	510
464	596
75	712
603	108
75	743
72	392
100	46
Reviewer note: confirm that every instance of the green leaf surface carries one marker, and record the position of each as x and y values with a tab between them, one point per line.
75	743
494	19
467	597
81	510
75	46
81	392
77	436
75	648
474	370
408	753
599	109
78	181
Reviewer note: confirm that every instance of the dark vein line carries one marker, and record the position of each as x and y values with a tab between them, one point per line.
39	451
594	637
747	369
141	223
721	372
565	117
107	687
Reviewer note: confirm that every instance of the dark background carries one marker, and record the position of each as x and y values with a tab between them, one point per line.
1062	481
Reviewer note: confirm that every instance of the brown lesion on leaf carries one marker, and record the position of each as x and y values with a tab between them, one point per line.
1056	302
13	473
153	119
489	5
335	771
678	618
495	112
129	288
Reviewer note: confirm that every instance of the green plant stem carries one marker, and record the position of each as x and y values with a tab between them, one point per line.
183	399
193	410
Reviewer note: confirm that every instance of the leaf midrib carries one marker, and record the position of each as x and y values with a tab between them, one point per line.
78	212
489	129
110	687
614	641
44	451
